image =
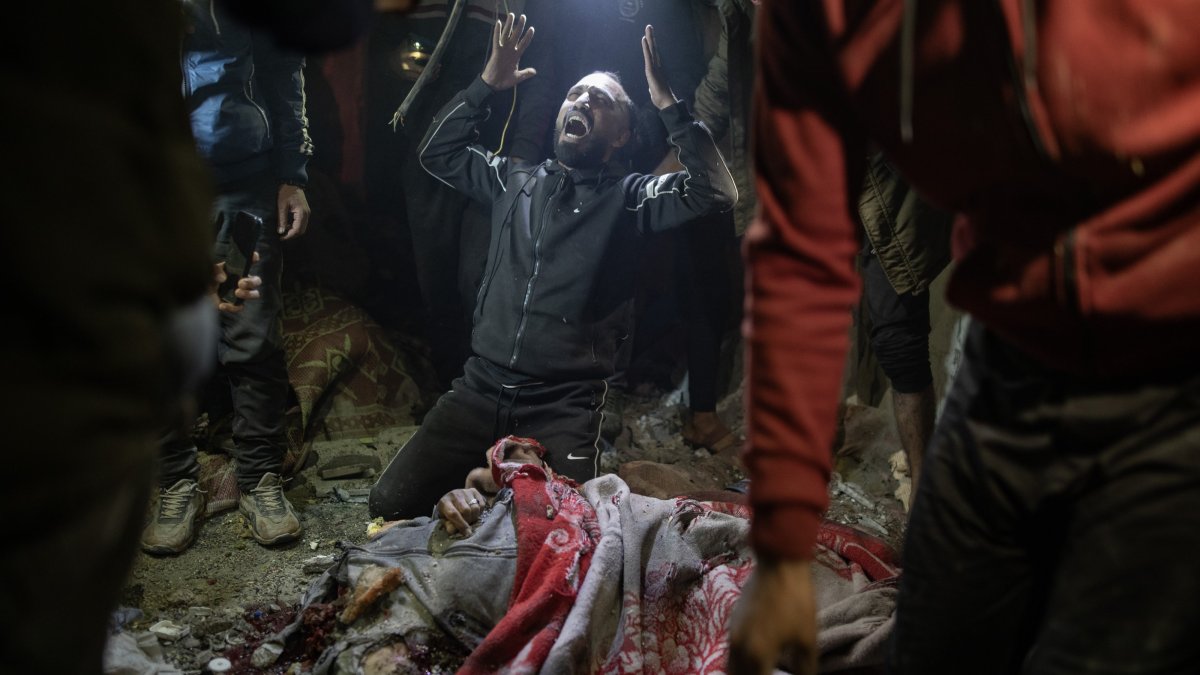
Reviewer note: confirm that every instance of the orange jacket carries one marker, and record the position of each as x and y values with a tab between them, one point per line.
1066	133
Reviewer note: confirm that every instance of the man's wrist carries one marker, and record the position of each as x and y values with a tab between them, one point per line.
478	92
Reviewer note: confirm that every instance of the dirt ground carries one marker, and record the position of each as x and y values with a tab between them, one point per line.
226	592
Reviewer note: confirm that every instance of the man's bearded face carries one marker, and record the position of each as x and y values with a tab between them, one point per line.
593	122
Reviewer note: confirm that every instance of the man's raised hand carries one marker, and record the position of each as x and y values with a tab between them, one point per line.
510	39
660	90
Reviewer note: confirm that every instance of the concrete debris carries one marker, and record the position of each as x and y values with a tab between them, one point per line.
899	464
318	564
182	598
169	630
346	471
872	524
352	496
852	491
266	654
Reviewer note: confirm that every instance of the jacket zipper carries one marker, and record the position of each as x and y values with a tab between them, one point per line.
537	264
183	68
249	91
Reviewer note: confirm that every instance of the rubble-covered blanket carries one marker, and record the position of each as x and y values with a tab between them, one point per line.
350	377
555	580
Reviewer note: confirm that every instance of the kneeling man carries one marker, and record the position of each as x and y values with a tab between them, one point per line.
555	300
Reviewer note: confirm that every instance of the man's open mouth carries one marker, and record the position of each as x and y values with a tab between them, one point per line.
576	125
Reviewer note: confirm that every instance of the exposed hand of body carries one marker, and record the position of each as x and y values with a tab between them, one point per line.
459	509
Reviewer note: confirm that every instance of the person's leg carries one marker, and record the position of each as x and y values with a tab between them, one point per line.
900	340
453	439
1123	598
980	540
251	356
703	282
179	502
565	418
251	349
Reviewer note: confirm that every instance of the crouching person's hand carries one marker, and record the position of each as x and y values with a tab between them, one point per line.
460	509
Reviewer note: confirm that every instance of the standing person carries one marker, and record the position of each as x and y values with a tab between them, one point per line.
707	253
558	288
906	245
1057	524
106	243
246	100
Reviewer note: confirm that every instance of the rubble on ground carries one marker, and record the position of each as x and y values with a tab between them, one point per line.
226	594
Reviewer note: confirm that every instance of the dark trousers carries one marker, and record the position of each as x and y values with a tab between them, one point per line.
899	328
487	403
1057	525
250	355
704	283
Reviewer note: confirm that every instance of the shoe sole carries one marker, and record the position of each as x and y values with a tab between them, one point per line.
167	550
281	539
285	538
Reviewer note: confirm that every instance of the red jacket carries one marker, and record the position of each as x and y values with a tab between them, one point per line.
1066	133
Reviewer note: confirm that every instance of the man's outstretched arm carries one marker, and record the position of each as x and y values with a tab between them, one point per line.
704	185
449	151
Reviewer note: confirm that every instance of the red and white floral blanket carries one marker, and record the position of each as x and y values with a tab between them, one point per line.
559	579
611	582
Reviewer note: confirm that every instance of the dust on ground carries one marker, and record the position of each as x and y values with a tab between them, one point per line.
226	592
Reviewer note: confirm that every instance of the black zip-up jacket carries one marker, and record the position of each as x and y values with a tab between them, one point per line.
246	98
557	291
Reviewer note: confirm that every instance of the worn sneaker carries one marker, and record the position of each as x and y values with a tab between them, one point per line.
271	518
176	515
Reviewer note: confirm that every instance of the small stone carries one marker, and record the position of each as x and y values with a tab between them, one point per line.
266	654
317	564
181	598
169	630
314	544
701	453
190	642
